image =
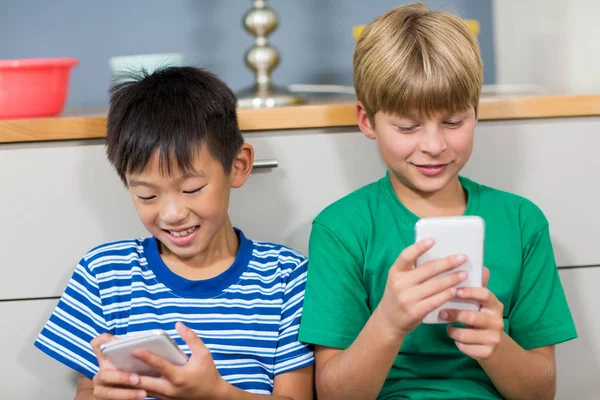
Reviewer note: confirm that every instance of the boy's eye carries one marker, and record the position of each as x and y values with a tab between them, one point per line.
193	191
406	129
145	198
453	124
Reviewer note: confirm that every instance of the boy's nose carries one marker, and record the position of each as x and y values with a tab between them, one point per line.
173	213
434	142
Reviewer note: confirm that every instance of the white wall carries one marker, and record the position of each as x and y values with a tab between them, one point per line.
552	43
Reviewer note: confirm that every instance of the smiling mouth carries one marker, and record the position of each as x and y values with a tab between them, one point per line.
183	232
430	165
431	170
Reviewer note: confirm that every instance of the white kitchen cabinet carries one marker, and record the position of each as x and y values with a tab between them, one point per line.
554	163
60	199
26	372
64	198
578	361
315	169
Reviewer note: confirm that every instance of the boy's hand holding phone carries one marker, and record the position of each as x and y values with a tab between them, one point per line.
484	329
197	379
111	383
412	293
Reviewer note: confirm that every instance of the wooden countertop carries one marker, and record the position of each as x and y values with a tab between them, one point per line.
93	125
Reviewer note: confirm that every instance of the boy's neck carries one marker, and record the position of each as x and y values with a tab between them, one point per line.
215	259
450	201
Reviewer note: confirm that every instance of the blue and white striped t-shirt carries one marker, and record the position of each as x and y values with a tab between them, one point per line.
248	316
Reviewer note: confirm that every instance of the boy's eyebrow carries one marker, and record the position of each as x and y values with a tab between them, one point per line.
182	177
135	183
192	174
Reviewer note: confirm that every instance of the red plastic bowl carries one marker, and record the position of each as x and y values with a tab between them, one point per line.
34	87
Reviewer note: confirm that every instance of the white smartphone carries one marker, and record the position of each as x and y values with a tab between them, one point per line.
454	235
119	351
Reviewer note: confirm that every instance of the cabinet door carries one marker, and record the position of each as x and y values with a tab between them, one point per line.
315	169
555	164
64	199
25	371
578	361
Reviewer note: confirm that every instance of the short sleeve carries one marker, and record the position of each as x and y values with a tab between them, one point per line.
291	354
336	301
540	315
76	320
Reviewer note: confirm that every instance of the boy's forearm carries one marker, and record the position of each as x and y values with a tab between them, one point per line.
239	394
359	372
85	395
230	392
521	374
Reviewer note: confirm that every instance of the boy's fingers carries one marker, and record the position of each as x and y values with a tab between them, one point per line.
469	336
483	295
162	366
102	392
96	343
439	284
433	268
476	351
109	377
473	319
408	257
431	303
486	277
196	345
155	387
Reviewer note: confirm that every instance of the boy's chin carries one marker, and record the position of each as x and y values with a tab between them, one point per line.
430	185
180	251
184	253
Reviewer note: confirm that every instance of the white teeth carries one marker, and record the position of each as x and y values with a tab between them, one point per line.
183	233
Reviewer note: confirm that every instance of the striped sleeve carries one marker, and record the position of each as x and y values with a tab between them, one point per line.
76	320
291	354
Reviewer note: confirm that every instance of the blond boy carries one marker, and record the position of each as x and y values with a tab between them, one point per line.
418	78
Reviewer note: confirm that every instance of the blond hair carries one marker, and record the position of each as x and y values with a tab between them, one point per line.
414	61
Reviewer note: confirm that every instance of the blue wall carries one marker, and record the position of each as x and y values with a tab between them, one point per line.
314	36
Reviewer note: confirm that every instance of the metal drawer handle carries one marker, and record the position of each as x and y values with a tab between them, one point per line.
265	164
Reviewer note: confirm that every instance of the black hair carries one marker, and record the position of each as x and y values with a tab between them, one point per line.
175	110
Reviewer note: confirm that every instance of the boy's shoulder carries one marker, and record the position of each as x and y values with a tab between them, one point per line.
116	252
277	255
510	208
351	207
502	199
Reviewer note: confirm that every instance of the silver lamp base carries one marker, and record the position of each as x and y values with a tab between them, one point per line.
272	96
260	21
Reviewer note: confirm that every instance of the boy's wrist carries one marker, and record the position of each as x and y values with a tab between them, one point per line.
387	332
496	357
223	390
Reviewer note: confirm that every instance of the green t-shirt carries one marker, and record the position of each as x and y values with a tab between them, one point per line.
355	241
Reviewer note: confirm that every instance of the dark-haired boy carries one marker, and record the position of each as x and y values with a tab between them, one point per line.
174	140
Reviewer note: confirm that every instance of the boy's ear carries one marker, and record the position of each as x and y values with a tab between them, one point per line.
364	123
242	165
